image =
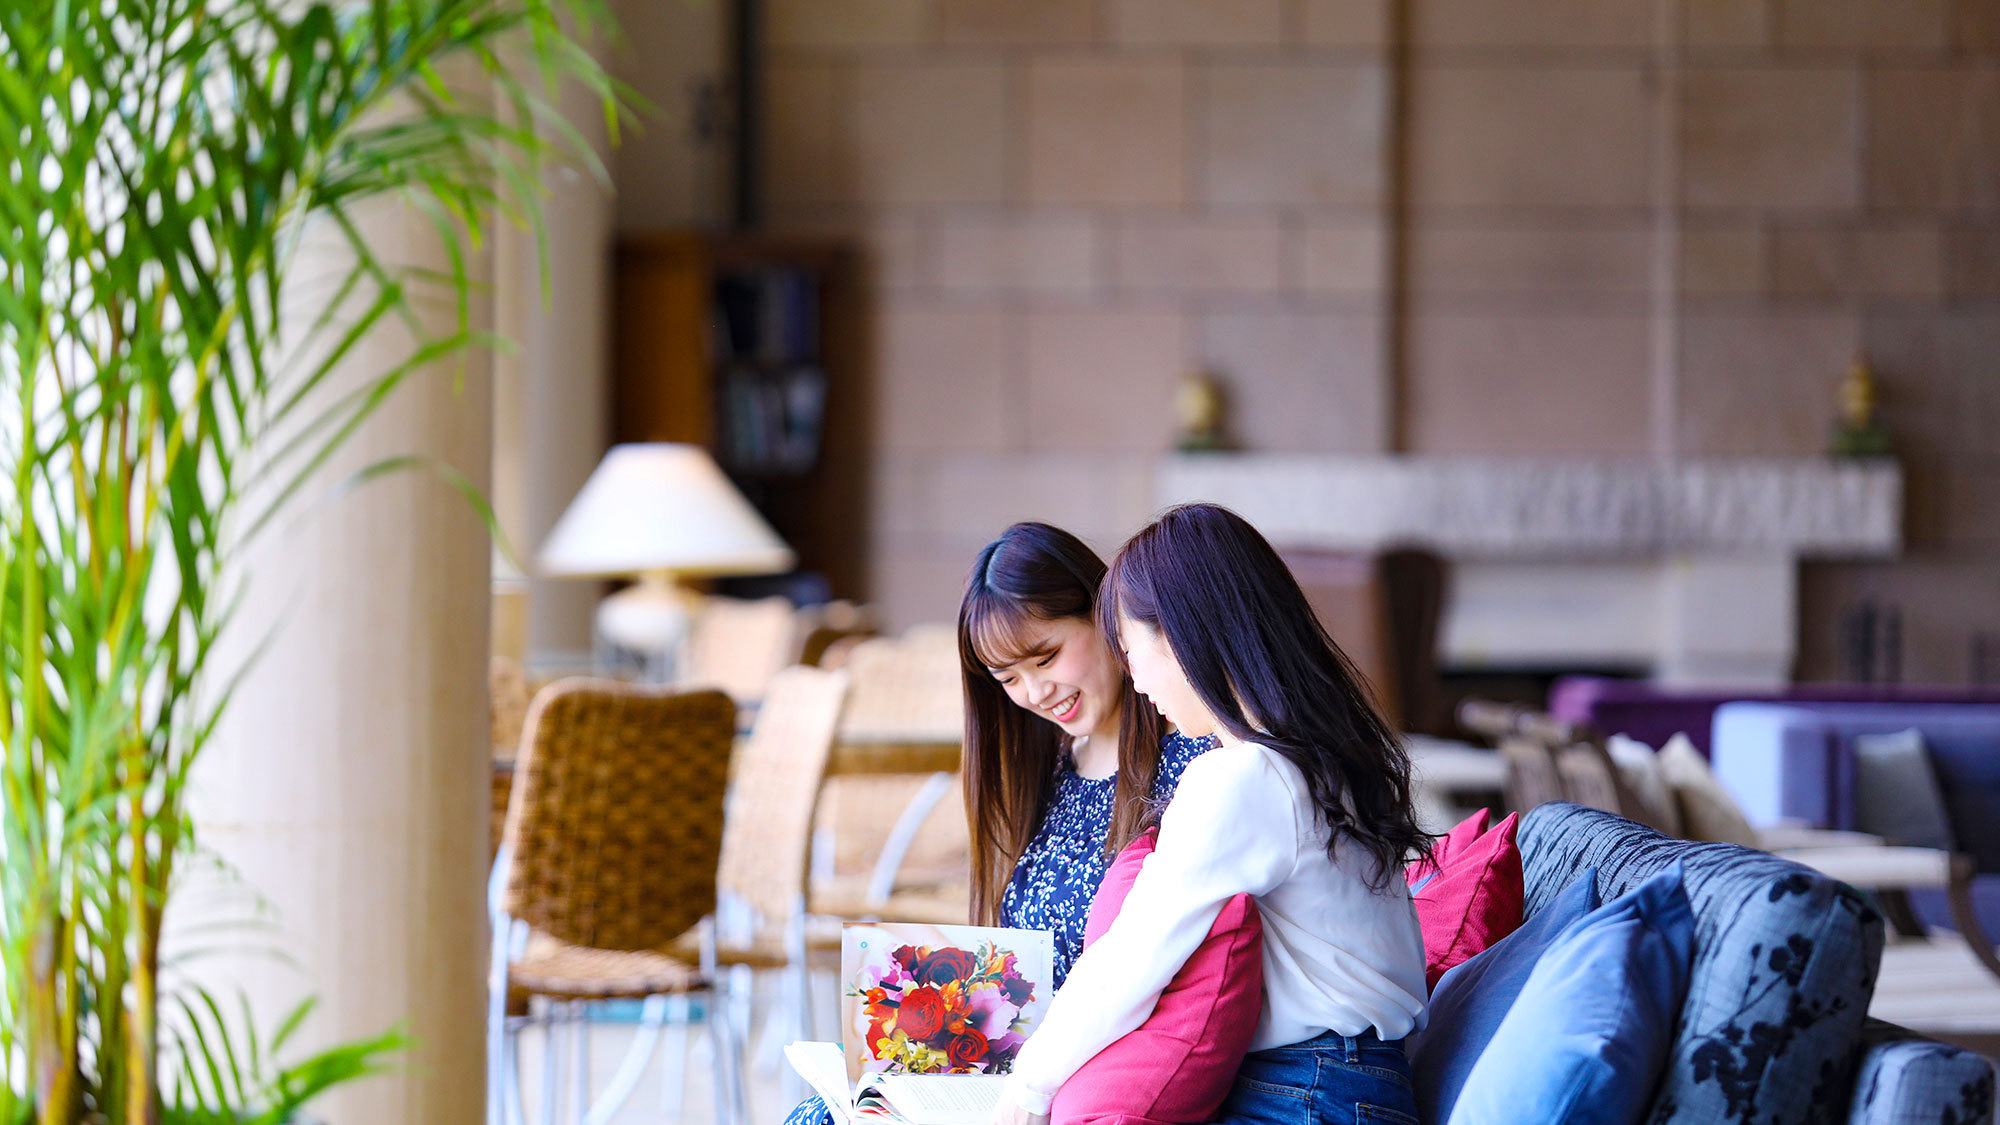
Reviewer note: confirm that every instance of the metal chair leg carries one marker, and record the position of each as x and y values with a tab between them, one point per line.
551	1070
797	982
731	1097
511	1086
652	1014
579	1055
673	1077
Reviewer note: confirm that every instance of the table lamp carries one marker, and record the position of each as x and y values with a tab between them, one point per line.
661	513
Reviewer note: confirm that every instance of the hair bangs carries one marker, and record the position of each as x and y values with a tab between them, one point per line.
1000	631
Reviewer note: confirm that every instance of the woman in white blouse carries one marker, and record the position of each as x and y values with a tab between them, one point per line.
1305	804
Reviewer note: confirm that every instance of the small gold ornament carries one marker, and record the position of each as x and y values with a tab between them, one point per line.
1199	403
1858	434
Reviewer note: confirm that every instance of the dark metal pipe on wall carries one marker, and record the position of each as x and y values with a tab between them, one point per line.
746	210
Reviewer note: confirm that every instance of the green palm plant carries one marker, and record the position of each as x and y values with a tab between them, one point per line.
163	159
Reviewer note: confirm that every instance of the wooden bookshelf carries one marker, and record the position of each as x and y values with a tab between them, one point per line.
751	347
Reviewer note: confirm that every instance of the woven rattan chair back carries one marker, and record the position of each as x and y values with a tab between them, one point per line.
737	645
1532	778
615	826
1589	778
830	624
767	837
508	695
905	688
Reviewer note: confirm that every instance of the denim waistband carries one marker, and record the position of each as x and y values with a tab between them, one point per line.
1348	1047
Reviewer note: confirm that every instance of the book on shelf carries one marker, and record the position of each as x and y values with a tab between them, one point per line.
771	386
768	316
931	1018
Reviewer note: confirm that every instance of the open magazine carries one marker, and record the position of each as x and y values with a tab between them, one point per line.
931	1018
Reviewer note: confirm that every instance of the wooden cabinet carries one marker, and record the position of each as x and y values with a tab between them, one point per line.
752	347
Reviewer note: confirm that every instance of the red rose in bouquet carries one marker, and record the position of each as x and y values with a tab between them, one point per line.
945	966
922	1013
967	1050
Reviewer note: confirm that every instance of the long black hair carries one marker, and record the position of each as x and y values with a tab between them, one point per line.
1033	572
1265	668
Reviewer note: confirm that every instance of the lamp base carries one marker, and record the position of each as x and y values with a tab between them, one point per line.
649	619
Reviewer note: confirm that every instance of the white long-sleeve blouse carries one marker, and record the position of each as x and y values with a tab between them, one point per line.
1338	955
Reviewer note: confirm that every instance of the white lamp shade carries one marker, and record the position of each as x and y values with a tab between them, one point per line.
661	507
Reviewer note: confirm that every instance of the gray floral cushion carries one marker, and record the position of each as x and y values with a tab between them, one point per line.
1906	1079
1784	966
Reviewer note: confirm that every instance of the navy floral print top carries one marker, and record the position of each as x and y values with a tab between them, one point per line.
1057	876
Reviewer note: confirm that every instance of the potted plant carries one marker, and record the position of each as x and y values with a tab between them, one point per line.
163	159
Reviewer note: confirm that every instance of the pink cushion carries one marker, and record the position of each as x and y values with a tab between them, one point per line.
1451	843
1177	1066
1473	901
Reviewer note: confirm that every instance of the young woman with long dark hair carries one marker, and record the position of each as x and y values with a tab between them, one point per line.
1064	764
1305	805
1052	789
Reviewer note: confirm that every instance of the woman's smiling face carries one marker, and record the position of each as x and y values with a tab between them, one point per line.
1065	674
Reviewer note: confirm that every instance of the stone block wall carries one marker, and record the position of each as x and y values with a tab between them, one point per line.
1535	227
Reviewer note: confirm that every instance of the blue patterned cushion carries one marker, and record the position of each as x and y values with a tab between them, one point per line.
1906	1079
1784	965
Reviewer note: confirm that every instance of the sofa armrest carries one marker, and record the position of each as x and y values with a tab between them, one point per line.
1904	1079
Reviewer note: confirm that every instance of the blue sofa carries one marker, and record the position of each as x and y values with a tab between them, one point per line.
1775	1028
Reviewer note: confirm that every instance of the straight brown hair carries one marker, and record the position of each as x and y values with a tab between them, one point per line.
1032	572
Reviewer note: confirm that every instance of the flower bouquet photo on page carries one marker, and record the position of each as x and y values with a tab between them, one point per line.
931	1018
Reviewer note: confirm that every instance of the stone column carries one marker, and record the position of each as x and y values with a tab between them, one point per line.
348	784
553	390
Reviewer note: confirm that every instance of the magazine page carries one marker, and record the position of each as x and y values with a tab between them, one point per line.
820	1064
938	1099
940	1000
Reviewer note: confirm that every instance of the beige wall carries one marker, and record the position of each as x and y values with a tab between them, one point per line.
1621	227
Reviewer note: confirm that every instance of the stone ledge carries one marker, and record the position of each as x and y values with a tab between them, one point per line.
1527	508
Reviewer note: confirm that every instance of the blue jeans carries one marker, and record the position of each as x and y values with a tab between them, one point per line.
1331	1080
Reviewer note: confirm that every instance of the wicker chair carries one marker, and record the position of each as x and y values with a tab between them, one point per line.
762	922
508	694
837	623
609	857
904	690
737	645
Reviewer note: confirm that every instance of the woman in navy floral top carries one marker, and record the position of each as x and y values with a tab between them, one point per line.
1056	878
1064	763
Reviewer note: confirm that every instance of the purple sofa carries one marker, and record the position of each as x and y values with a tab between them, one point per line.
1796	761
1654	714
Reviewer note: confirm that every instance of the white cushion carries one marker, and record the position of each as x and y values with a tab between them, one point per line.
1708	812
1640	769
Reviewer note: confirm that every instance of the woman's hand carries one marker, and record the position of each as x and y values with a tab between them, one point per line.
1010	1112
